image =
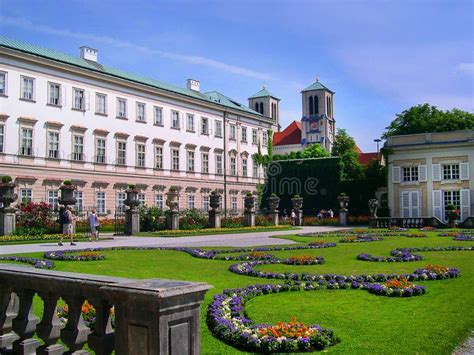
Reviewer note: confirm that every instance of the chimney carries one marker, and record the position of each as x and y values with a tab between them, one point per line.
193	85
89	53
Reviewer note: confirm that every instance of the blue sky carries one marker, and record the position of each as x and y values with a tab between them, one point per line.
380	57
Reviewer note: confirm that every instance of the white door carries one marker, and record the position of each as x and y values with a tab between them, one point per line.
410	204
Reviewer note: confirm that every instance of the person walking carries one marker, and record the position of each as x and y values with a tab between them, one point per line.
94	225
293	217
67	226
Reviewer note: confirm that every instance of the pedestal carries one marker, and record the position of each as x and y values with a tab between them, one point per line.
343	218
249	218
215	219
7	221
275	217
299	218
173	220
132	221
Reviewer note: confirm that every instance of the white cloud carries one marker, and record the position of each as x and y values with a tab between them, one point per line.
26	24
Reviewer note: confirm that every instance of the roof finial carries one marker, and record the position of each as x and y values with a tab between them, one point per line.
264	86
317	78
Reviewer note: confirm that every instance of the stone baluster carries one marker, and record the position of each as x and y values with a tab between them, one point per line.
49	329
75	333
8	311
102	338
25	324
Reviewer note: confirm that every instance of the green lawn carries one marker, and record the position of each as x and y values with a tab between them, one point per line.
434	323
213	231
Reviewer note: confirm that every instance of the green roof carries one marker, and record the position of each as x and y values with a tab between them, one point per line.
316	86
104	69
263	93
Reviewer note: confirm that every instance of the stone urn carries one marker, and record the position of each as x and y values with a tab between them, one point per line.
67	194
297	203
249	202
172	199
214	200
273	202
132	197
343	201
7	191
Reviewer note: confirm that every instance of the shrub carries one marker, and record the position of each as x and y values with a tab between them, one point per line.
358	220
263	221
151	219
67	182
6	179
35	218
233	222
193	219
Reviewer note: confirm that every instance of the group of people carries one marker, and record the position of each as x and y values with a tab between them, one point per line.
293	216
325	214
67	218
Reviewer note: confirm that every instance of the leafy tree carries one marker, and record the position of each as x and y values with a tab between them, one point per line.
426	118
313	151
345	147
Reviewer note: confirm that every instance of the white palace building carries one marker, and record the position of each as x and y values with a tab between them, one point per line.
66	117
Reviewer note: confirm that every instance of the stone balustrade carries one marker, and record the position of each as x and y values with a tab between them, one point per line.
387	222
153	316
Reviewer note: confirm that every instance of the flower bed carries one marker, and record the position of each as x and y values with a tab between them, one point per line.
37	263
23	238
182	232
227	321
304	260
84	255
360	239
427	229
405	254
416	235
396	288
464	238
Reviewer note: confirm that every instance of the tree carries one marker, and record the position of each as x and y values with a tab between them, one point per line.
345	147
426	118
313	151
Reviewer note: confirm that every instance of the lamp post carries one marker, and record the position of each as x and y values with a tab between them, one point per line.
378	140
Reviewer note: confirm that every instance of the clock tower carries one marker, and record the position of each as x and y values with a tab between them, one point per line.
318	124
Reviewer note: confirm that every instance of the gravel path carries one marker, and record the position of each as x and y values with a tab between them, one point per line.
218	240
467	348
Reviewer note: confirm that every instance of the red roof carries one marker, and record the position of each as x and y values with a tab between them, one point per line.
290	135
366	158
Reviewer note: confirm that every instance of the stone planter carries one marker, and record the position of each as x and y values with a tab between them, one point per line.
297	203
343	211
215	201
172	200
67	195
249	203
273	202
132	214
7	194
132	198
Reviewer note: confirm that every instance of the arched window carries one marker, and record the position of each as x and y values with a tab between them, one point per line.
316	105
327	106
311	110
261	108
256	107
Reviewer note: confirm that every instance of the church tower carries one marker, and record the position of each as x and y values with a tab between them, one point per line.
318	124
266	104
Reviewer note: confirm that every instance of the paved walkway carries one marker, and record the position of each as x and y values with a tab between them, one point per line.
217	240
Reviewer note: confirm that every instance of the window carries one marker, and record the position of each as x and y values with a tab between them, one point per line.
175	159
3	83
141	155
79	99
219	169
256	107
26	195
121	108
141	112
175	119
54	94
121	153
121	197
190	123
100	202
2	138
233	166
205	203
53	145
316	105
79	201
233	203
244	167
26	141
233	132
264	138
244	134
410	173
101	104
205	163
254	136
190	161
158	111
141	199
53	198
255	169
28	87
451	172
191	201
204	125
78	148
218	129
100	150
159	201
261	108
158	157
452	197
311	107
